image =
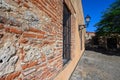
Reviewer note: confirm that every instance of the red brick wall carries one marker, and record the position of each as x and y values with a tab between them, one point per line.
30	39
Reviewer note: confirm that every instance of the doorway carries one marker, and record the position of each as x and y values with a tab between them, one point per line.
112	43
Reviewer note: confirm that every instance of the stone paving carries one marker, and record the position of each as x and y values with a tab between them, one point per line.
97	66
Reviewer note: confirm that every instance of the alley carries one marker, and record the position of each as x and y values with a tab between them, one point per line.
97	66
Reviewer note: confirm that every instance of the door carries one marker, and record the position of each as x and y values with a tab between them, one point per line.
112	43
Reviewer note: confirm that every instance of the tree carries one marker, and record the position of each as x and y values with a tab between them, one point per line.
110	22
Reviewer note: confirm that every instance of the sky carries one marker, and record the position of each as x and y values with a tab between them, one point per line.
95	8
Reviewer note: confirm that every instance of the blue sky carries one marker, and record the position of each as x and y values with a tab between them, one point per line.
94	8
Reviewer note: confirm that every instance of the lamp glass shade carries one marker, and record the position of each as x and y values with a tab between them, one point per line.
87	18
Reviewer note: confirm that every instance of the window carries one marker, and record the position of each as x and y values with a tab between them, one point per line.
66	34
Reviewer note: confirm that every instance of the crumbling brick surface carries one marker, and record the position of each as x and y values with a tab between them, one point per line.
30	39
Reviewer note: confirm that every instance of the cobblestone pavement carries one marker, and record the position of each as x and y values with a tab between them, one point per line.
97	66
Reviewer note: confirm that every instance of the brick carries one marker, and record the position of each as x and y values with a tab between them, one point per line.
23	40
29	71
7	29
22	54
29	35
43	65
33	79
12	76
32	35
15	30
51	60
57	58
37	74
26	5
36	30
18	1
43	58
2	78
48	42
19	78
1	26
43	76
39	36
28	65
49	75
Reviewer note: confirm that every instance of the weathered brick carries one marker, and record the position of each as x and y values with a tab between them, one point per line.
51	61
43	65
28	65
44	74
32	35
23	40
29	71
7	29
18	1
36	30
22	52
26	5
1	26
19	78
15	30
2	78
48	42
43	58
49	75
29	35
12	76
40	36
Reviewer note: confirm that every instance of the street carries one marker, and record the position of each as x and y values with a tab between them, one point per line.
97	66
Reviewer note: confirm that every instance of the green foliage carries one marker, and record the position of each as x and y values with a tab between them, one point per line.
110	22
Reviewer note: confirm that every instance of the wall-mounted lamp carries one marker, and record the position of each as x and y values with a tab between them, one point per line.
87	20
81	27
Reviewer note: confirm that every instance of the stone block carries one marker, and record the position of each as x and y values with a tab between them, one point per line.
33	53
7	58
48	49
32	19
5	5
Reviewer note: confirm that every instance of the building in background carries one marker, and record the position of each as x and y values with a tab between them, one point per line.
110	42
89	35
39	39
89	39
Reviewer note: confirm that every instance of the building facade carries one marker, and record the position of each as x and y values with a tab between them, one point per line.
89	39
89	35
40	39
109	42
